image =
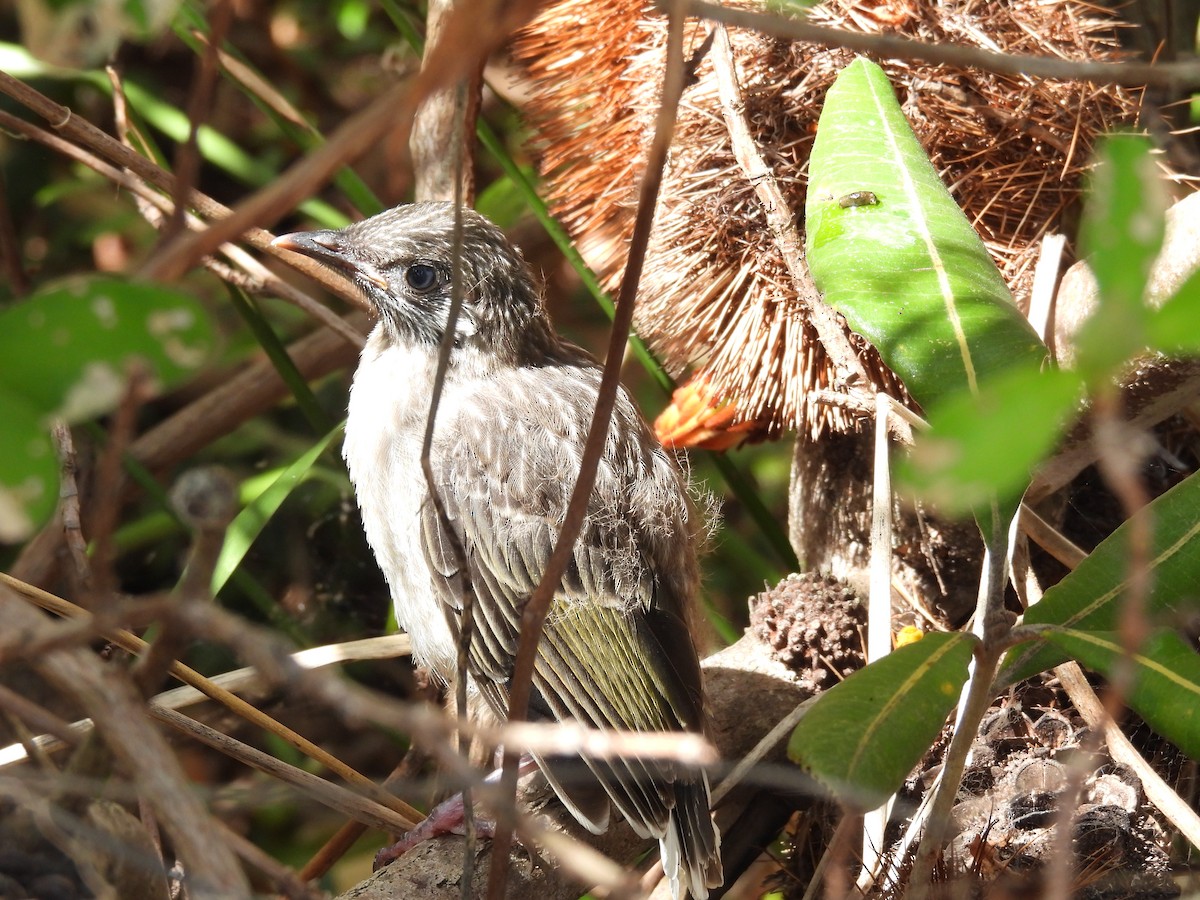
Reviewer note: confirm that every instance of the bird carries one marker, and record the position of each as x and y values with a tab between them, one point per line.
617	650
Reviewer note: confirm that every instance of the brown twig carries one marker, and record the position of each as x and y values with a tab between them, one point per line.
141	752
105	500
206	500
1181	75
782	221
10	246
337	846
361	809
81	132
187	154
72	519
234	632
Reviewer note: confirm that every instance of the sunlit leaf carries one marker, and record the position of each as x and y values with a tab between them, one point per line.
1120	236
863	737
892	251
985	444
1175	327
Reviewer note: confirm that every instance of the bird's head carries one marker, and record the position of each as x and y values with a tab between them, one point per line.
402	262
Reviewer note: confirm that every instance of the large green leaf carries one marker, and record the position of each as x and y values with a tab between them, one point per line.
1089	598
891	250
1164	682
67	349
863	737
65	353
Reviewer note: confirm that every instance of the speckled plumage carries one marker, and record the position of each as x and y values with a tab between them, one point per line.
509	435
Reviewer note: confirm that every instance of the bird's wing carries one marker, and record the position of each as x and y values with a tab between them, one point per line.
616	652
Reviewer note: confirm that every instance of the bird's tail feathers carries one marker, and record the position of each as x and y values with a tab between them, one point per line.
691	847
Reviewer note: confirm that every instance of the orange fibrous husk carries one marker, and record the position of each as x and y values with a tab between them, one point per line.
715	294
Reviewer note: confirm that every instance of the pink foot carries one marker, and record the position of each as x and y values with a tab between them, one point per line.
447	817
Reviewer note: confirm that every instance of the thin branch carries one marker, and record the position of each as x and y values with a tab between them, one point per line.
141	751
1178	75
187	154
230	701
361	809
533	616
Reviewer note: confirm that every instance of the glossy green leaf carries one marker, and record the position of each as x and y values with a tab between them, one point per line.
249	523
1120	236
67	349
28	469
863	737
890	249
1164	678
1089	598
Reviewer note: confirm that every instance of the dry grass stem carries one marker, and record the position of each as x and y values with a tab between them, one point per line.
235	634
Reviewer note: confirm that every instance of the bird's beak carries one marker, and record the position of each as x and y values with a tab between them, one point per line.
326	247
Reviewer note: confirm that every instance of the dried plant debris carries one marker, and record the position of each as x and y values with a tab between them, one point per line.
814	624
1033	754
716	295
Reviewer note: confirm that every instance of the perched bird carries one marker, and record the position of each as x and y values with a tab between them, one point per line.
617	651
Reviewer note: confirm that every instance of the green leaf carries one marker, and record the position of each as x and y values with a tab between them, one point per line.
1174	328
863	737
1165	685
987	444
28	470
1120	236
249	523
891	250
67	352
67	349
1089	598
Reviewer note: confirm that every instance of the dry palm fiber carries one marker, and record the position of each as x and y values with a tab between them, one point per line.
716	295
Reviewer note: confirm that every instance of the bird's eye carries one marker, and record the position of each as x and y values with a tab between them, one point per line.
421	277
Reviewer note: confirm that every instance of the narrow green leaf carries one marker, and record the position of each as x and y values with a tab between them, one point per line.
28	469
1089	598
280	359
67	348
249	523
1165	685
1120	235
892	251
863	737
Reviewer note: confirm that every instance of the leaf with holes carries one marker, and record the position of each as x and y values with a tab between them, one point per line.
863	736
67	352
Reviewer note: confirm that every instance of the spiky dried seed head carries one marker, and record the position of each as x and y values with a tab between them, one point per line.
716	295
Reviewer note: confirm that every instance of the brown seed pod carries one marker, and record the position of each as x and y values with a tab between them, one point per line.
716	294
